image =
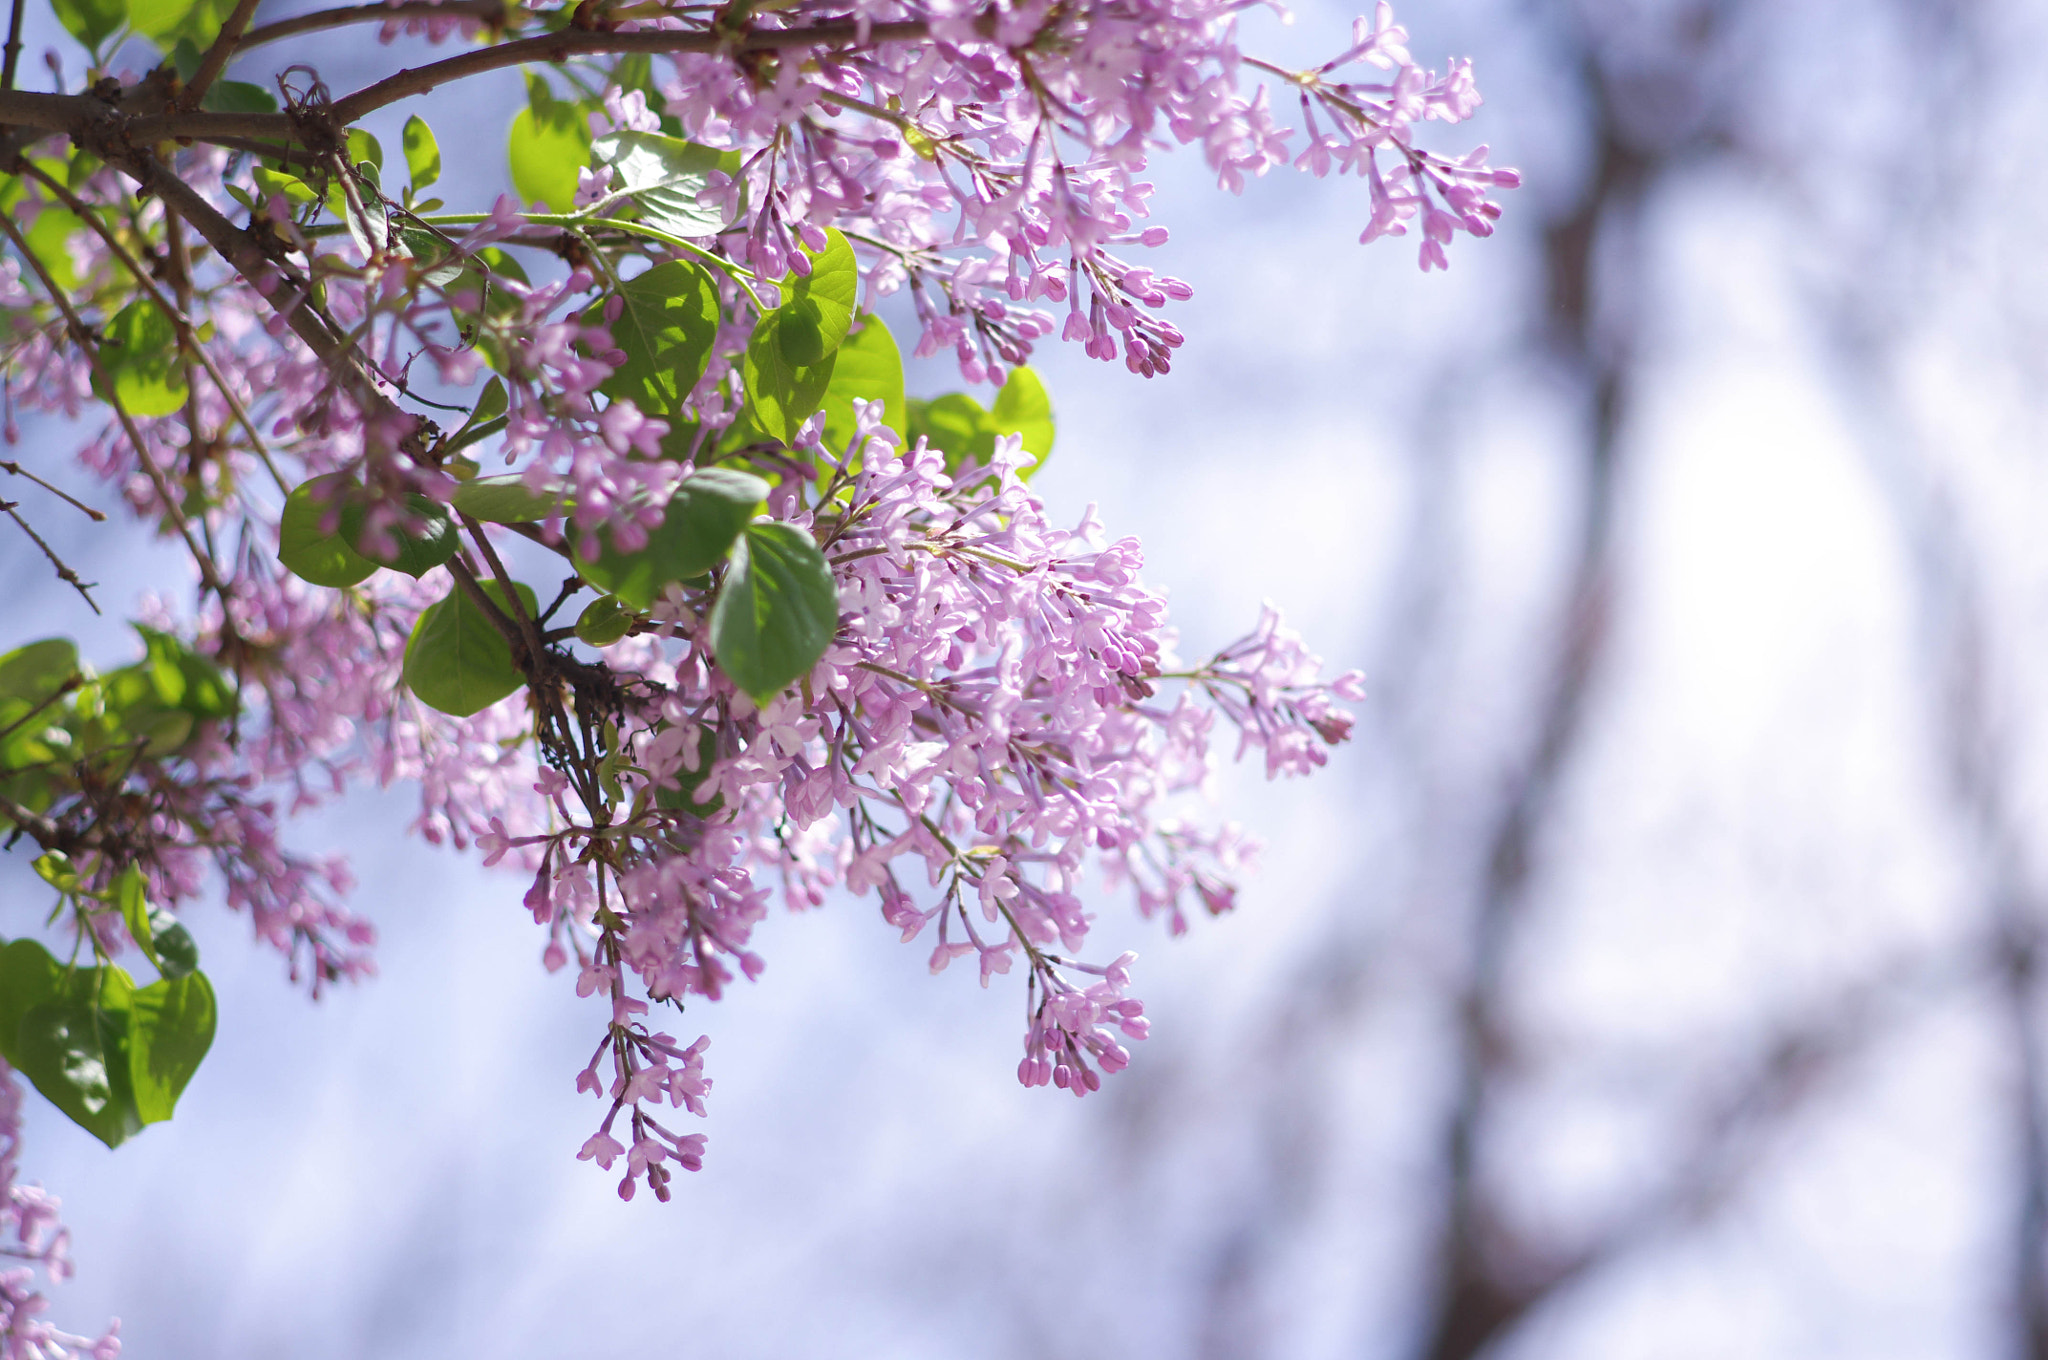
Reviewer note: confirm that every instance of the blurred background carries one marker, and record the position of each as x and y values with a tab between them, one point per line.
1656	975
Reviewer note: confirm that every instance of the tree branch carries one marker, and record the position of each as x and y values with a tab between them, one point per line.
491	12
554	48
13	54
216	59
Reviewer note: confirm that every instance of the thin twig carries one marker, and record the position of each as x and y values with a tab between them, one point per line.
96	516
71	682
559	47
82	334
517	606
180	322
64	572
491	12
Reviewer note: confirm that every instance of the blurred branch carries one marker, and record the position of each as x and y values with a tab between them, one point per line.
1949	583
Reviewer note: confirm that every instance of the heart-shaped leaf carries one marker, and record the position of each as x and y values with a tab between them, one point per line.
869	366
170	1028
667	176
668	319
309	550
415	542
777	611
698	528
456	660
504	499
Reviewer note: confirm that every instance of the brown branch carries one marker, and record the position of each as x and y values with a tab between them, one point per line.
560	47
529	634
47	833
13	55
491	12
466	582
64	571
216	59
8	465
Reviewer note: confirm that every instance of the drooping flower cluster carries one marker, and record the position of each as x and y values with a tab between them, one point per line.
986	718
1000	714
31	1238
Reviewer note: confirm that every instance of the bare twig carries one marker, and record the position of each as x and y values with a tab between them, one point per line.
560	47
181	322
64	572
492	12
82	335
10	466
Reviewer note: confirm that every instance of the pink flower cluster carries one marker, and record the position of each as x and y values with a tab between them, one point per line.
991	727
32	1238
999	725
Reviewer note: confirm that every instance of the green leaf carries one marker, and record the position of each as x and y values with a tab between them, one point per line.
698	528
415	548
364	147
63	1051
603	621
666	326
504	499
170	1028
306	549
177	953
476	284
92	22
1022	407
65	1029
781	396
49	240
456	660
28	978
422	153
163	939
54	867
666	175
131	895
172	24
550	142
139	353
428	250
777	611
159	19
199	687
238	96
35	672
868	366
817	308
295	191
490	404
957	424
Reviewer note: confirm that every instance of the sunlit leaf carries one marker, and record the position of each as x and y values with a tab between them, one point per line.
777	611
457	661
310	551
667	176
170	1028
139	354
667	323
422	153
698	528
